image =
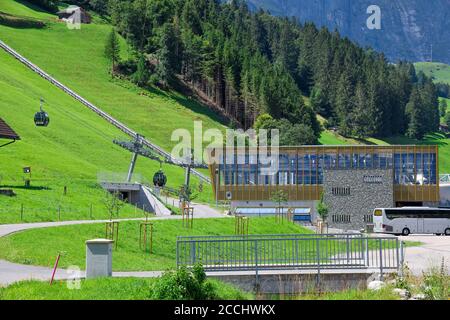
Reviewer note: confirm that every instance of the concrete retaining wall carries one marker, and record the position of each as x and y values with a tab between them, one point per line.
298	283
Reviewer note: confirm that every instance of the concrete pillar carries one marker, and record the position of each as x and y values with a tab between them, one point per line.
98	258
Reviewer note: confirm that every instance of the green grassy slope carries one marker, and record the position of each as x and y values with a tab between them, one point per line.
75	147
76	58
41	246
24	9
439	71
104	289
78	144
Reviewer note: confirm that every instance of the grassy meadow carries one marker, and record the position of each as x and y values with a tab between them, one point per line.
41	246
104	289
439	71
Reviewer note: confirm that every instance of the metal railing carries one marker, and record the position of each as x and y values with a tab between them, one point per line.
94	108
290	252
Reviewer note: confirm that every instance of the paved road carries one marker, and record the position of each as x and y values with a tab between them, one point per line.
12	272
430	254
419	259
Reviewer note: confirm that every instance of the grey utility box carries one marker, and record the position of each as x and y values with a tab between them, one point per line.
98	258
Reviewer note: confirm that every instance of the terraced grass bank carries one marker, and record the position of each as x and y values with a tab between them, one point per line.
41	246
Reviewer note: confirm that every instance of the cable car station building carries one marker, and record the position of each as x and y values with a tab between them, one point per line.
354	180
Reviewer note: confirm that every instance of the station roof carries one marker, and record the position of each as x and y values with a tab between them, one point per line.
6	132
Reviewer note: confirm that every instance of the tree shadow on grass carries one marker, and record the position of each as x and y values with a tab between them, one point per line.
189	103
34	188
33	6
365	141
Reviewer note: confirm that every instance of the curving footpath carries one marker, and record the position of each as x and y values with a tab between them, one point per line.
13	272
419	259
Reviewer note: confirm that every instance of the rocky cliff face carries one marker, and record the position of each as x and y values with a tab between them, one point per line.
410	29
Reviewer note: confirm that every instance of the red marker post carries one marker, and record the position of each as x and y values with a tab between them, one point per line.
54	268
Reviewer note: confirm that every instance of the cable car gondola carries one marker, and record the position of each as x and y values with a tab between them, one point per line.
159	179
41	118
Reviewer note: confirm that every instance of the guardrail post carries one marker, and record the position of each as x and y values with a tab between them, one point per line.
381	259
193	253
318	261
402	258
367	252
347	246
256	267
177	253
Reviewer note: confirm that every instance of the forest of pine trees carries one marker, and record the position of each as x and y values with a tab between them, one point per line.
250	63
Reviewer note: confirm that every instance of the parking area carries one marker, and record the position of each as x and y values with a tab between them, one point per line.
429	254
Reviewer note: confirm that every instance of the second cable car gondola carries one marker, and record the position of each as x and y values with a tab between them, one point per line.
41	118
159	179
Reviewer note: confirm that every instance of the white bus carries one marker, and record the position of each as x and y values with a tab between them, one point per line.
409	220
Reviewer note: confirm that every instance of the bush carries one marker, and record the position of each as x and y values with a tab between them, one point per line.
183	285
127	67
436	283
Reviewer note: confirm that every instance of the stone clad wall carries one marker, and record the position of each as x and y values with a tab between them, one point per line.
353	194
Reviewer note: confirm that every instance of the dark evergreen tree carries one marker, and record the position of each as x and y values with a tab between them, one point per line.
112	49
360	118
443	107
244	63
142	75
416	113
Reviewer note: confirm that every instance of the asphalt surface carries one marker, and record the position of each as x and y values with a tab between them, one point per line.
430	254
13	272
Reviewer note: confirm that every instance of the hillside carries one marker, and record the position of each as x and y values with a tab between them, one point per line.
409	27
77	145
81	65
440	72
71	152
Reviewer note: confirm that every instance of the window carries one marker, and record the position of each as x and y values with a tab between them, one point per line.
300	166
306	170
344	161
340	191
283	173
417	214
292	169
341	218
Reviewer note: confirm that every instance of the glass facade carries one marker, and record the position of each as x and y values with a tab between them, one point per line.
307	167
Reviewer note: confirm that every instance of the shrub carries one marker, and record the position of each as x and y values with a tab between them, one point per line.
404	280
183	285
127	67
436	283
